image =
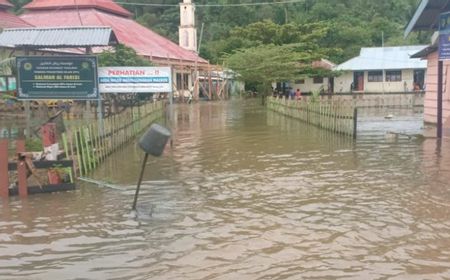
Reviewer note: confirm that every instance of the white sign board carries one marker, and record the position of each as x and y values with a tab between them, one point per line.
135	79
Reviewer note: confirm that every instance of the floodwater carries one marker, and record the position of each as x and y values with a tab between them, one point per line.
245	194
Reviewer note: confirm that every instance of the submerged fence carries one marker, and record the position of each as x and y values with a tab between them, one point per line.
336	116
391	100
90	144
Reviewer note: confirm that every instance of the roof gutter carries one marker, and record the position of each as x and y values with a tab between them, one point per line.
415	18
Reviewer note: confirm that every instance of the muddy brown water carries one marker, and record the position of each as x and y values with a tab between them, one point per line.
245	194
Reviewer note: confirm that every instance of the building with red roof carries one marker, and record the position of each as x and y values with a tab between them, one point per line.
146	43
48	13
9	20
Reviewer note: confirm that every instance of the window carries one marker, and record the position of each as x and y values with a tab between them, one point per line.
186	38
394	76
375	76
182	81
12	83
318	80
302	81
3	85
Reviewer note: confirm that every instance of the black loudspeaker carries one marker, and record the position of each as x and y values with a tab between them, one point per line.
154	140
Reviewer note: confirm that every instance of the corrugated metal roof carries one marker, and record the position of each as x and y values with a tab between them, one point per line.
385	58
57	37
105	5
130	33
425	52
428	49
8	20
5	3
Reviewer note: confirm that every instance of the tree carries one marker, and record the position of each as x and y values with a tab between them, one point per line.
122	55
349	24
265	64
279	53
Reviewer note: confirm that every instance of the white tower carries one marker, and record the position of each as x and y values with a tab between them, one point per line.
187	30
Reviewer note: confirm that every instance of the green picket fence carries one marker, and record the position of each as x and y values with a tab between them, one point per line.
88	146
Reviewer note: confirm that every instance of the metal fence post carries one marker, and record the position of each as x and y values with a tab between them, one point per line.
355	122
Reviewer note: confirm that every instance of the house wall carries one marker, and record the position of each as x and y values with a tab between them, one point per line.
430	110
182	92
343	83
310	86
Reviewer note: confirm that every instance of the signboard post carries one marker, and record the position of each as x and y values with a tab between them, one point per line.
444	54
444	36
135	79
57	77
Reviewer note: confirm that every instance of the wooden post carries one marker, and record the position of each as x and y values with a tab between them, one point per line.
182	85
76	136
4	176
210	82
355	121
21	169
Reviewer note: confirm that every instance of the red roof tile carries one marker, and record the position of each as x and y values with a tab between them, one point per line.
143	40
109	6
5	3
8	20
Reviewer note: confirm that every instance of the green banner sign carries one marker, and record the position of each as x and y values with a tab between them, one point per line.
57	77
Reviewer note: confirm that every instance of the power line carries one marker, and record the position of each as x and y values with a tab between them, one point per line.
214	5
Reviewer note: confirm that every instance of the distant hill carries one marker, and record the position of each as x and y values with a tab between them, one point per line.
351	24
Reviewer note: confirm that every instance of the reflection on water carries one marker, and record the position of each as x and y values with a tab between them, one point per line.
245	194
399	120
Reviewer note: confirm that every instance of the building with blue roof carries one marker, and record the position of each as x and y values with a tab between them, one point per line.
382	70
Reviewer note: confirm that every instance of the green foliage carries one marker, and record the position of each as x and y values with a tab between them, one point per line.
122	56
347	25
65	173
268	63
315	97
340	26
18	4
279	52
7	65
33	144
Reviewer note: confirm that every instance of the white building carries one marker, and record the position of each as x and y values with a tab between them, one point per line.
187	30
382	70
315	84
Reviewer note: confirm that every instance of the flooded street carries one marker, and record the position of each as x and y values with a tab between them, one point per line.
245	194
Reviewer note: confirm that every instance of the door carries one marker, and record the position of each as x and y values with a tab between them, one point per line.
419	79
358	81
330	85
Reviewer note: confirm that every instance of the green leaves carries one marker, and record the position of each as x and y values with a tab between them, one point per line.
122	56
279	52
270	63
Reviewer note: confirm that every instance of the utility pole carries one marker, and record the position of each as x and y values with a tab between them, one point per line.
285	15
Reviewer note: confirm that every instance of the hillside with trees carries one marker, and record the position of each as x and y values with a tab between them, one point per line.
345	24
278	41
